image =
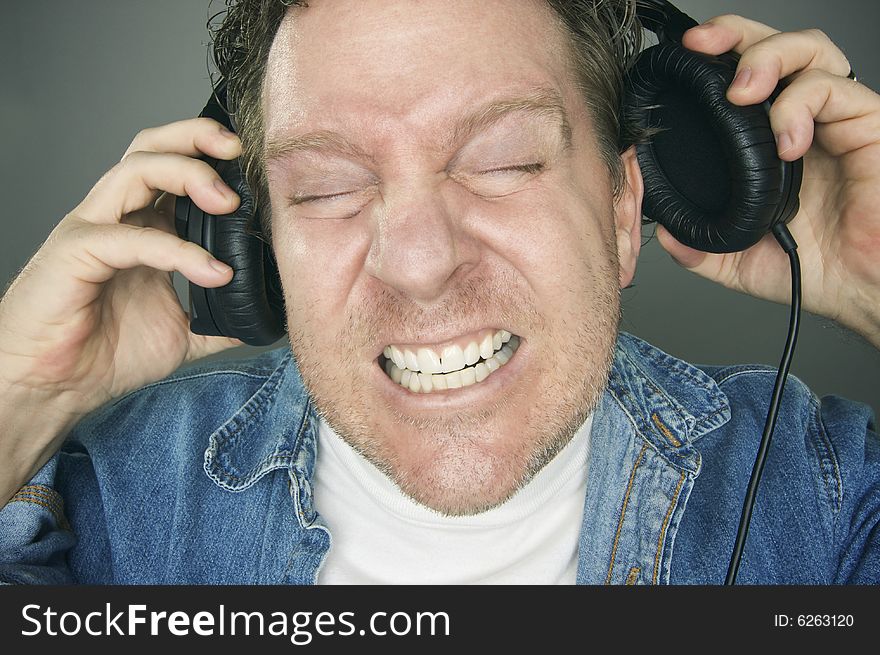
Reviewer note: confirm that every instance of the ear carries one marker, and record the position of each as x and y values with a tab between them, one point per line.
628	217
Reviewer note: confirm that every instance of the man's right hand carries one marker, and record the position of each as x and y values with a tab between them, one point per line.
94	314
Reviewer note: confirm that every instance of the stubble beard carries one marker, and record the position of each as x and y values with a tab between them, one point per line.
448	464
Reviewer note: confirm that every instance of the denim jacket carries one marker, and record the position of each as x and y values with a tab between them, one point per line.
206	478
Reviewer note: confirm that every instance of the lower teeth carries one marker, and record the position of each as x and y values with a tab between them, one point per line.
426	383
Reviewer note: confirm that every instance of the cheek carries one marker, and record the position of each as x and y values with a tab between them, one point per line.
319	263
556	239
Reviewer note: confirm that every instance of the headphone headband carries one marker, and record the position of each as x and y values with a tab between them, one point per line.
216	107
664	19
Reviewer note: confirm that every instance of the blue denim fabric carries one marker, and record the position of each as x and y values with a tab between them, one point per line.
205	477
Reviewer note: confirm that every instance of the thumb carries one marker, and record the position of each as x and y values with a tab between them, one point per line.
685	256
202	346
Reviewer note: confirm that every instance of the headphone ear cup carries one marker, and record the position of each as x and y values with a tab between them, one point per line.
712	176
251	306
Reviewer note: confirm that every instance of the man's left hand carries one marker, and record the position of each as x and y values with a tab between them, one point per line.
834	123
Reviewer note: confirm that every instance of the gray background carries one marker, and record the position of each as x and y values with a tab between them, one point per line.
79	79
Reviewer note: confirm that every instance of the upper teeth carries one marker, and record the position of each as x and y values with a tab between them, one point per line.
424	371
452	358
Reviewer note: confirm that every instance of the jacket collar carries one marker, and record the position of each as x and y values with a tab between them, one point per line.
273	429
670	403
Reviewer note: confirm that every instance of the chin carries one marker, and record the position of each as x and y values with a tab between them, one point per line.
460	470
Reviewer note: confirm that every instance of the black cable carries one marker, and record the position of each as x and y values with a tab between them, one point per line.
783	236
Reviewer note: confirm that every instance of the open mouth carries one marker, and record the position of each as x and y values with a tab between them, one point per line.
424	370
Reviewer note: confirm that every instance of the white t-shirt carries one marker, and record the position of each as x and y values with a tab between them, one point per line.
381	536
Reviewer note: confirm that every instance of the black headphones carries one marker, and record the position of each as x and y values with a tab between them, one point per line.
251	306
711	172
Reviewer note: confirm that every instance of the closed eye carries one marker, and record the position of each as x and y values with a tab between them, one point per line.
535	167
345	204
299	200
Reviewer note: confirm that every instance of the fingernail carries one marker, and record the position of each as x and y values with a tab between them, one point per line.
219	266
742	78
227	133
784	143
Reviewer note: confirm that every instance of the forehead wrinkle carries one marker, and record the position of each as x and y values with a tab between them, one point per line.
322	141
541	102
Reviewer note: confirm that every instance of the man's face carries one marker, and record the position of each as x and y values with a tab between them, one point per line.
435	181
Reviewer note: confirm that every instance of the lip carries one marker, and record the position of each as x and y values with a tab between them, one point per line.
452	399
463	340
440	342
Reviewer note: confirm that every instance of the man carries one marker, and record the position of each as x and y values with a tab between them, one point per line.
440	183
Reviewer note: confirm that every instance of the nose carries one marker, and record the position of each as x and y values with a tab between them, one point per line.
418	244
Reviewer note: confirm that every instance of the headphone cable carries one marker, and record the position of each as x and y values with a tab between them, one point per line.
786	240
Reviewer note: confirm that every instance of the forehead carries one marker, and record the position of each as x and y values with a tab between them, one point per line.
362	62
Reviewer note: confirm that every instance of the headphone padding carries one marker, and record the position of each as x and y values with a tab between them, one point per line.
250	307
746	175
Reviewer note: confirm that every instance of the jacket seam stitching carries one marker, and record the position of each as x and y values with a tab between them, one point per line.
617	393
629	488
244	415
633	575
47	494
748	371
641	426
52	501
663	527
673	404
665	430
300	435
831	454
671	362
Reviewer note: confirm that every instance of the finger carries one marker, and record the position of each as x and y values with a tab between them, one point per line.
202	346
150	217
95	253
849	112
192	137
725	33
762	66
719	268
686	257
136	181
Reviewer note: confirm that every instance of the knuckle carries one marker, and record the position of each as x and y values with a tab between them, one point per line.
187	248
201	171
782	109
205	123
764	53
814	76
140	140
76	238
817	35
143	136
763	48
142	239
131	161
726	18
146	233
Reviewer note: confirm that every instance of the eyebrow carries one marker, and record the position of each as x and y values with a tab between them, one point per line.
541	102
321	141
